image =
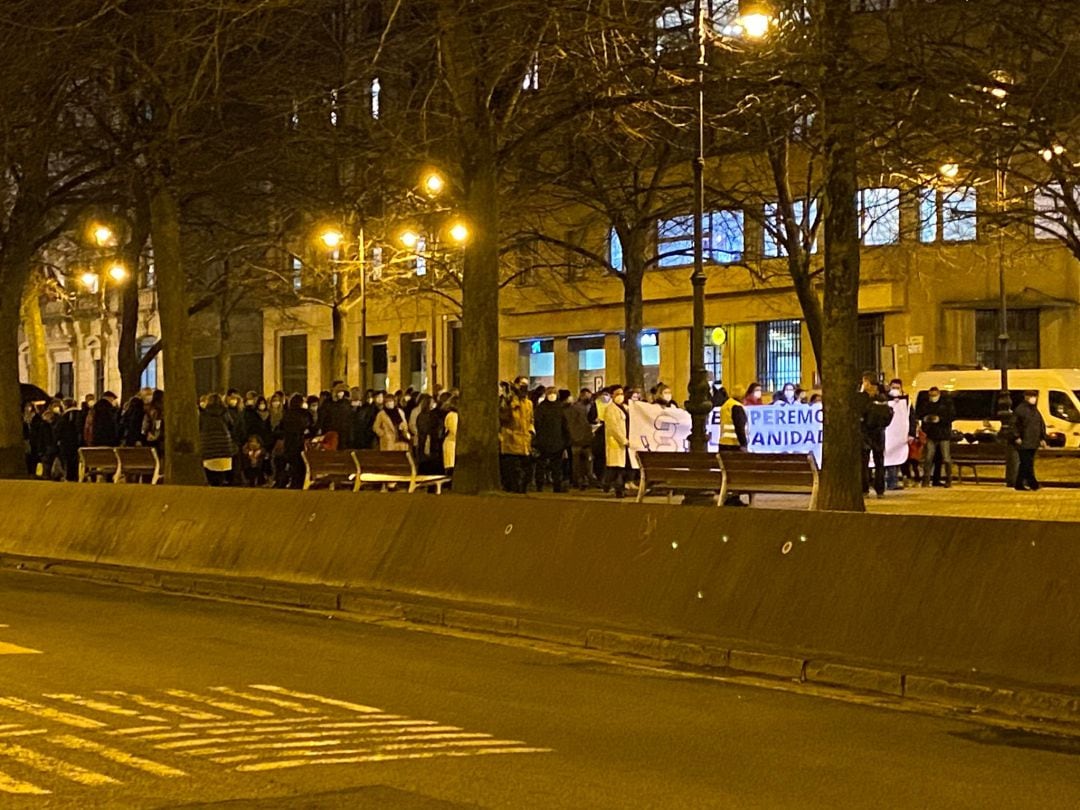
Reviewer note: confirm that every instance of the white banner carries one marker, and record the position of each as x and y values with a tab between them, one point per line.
769	429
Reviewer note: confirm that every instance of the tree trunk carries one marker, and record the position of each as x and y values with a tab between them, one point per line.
633	311
34	332
812	311
12	446
477	467
128	360
224	358
841	478
183	463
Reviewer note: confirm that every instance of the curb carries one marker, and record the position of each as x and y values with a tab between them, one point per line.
1018	702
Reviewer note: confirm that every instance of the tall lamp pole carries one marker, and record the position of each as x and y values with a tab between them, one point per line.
699	404
1003	314
362	267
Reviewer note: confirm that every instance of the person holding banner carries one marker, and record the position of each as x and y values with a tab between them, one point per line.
876	416
616	442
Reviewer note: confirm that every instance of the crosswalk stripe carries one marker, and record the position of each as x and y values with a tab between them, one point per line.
15	649
264	738
213	727
50	714
48	764
341	704
297	763
224	705
116	755
26	732
11	785
485	738
102	706
171	708
139	730
291	705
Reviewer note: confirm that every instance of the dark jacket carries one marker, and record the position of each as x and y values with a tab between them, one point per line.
1030	427
106	426
876	414
337	416
251	424
363	426
578	418
294	428
552	435
214	434
69	432
936	418
131	424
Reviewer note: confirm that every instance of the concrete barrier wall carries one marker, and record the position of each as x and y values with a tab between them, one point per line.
956	596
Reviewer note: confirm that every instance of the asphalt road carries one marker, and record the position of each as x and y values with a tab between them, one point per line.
146	700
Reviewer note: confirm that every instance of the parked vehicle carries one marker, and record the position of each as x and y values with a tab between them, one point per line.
974	395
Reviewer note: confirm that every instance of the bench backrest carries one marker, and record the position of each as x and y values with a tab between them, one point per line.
385	462
137	459
696	462
765	469
983	451
322	463
98	459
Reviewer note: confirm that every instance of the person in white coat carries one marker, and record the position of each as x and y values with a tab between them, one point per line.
616	442
450	428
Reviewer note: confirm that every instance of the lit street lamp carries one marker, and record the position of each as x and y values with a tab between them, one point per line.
333	239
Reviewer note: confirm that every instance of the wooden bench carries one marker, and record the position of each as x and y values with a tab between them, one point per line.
330	468
769	474
96	463
388	467
982	454
136	463
682	472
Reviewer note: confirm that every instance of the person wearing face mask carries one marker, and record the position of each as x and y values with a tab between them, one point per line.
392	427
579	428
664	398
257	422
875	418
363	429
277	409
551	440
515	437
892	474
753	395
295	428
936	415
1030	430
617	443
601	403
787	395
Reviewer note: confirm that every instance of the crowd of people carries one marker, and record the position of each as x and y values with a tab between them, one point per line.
547	436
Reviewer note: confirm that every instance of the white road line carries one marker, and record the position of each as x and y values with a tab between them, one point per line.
283	738
171	708
224	705
15	649
291	705
298	763
50	714
140	730
341	704
116	755
374	724
10	785
167	735
245	723
292	753
48	764
26	732
102	706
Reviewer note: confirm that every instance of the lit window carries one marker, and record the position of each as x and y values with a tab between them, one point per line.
376	92
948	214
779	353
1053	217
421	259
615	254
297	268
774	232
879	216
722	238
650	348
333	108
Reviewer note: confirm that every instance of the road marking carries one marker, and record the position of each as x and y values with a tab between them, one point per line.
244	723
48	764
225	705
341	704
297	763
291	705
10	785
38	710
15	649
171	708
27	732
140	730
227	760
102	706
260	738
116	755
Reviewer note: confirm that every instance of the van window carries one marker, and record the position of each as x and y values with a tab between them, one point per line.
970	405
1062	407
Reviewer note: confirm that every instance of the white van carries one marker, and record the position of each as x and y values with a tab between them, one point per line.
974	395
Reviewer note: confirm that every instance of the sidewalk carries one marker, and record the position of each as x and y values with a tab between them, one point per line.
961	500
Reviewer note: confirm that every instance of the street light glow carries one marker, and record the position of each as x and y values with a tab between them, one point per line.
1050	152
409	239
949	170
102	235
755	26
434	184
332	239
459	232
118	272
89	280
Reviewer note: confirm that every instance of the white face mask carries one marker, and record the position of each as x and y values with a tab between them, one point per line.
551	397
605	398
895	392
619	399
1032	400
665	397
341	395
356	403
934	399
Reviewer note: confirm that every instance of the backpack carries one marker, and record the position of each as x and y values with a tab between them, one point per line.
879	416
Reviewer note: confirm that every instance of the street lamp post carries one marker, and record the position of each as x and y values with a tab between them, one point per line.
1003	314
699	404
332	239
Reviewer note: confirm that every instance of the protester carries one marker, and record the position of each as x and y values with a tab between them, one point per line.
216	441
551	441
580	428
392	427
1030	428
875	417
295	427
515	437
936	415
753	395
617	429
